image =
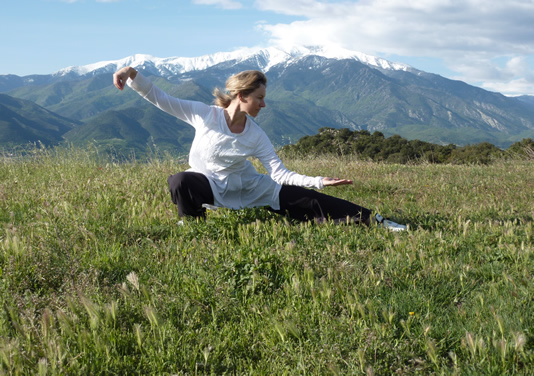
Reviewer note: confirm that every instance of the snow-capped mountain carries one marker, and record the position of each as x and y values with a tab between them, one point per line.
266	57
309	88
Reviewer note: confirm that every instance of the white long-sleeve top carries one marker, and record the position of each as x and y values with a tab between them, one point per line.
221	155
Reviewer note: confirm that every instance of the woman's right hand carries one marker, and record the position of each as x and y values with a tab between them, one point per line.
121	76
335	181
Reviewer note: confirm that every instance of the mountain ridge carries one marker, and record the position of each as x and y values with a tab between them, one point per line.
309	88
169	66
271	55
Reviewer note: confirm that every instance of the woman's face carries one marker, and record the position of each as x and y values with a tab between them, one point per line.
254	102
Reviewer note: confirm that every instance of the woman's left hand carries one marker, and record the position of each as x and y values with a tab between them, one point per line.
121	76
335	181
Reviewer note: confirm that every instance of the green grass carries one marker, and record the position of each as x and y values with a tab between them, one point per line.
97	278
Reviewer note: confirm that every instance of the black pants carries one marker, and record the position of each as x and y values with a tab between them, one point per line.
189	190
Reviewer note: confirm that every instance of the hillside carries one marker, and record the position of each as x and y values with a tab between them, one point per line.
134	131
23	122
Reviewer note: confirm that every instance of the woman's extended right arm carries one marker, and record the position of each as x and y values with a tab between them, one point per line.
121	76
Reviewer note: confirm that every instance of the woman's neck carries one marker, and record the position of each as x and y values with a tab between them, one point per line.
235	119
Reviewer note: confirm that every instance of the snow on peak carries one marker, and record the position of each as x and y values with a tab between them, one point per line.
135	60
333	52
270	57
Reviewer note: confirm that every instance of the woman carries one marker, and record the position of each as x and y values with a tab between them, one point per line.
220	173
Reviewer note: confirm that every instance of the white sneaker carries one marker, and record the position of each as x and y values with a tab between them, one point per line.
390	225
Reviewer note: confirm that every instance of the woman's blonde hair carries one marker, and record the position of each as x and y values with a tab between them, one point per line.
242	83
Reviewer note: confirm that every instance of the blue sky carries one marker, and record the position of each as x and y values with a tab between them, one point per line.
488	43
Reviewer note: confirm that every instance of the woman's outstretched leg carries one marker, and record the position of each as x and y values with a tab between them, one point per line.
189	190
306	204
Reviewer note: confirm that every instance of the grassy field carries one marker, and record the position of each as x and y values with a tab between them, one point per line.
97	278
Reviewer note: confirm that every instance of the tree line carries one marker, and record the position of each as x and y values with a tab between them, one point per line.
396	149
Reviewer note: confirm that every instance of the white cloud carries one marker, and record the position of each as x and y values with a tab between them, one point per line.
225	4
468	35
520	86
